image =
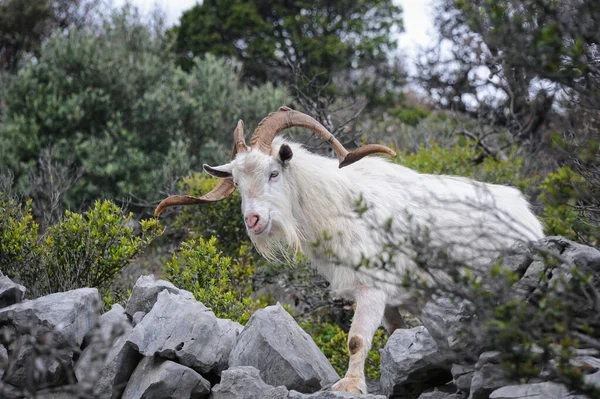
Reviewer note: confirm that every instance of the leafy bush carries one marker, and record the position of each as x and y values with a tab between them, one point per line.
466	160
82	250
561	191
90	249
215	280
411	116
18	235
113	99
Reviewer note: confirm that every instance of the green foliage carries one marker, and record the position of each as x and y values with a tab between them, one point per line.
113	101
546	329
82	250
213	278
18	235
411	116
24	25
561	192
90	249
333	342
319	38
466	161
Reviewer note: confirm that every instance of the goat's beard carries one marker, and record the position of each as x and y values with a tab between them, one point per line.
281	241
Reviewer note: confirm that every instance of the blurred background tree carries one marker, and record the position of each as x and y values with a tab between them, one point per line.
305	43
24	25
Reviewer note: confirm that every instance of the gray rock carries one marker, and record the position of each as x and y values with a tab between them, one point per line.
10	292
543	390
119	364
57	323
493	357
3	360
438	394
518	258
462	375
146	290
593	379
578	254
333	395
450	323
569	253
137	317
8	391
28	368
67	315
487	379
156	378
182	329
245	383
93	360
273	343
412	362
110	325
527	284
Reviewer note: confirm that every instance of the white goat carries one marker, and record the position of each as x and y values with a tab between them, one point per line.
291	197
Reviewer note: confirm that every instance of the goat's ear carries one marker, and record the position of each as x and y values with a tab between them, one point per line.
285	154
222	171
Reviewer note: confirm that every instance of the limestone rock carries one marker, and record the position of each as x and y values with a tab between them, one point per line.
543	390
462	375
450	323
273	343
67	315
487	379
146	290
184	330
438	394
49	369
244	382
412	362
156	378
10	292
119	364
94	359
59	321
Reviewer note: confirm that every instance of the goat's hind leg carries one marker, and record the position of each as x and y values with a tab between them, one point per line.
392	320
370	306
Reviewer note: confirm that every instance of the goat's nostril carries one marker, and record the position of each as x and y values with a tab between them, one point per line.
252	220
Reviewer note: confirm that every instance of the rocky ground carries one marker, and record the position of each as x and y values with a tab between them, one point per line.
165	344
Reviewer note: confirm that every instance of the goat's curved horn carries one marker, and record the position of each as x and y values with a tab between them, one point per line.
239	142
285	118
222	190
224	187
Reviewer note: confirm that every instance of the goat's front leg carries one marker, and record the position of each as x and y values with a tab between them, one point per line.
370	305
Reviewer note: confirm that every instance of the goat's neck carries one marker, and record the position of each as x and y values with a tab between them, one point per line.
324	201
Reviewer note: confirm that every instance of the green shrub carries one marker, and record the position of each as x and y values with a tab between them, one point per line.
82	250
465	160
215	280
408	115
18	236
90	249
560	193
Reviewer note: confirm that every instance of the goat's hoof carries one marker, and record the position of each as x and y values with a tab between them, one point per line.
348	384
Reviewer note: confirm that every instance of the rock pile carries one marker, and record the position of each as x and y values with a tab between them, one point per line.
165	344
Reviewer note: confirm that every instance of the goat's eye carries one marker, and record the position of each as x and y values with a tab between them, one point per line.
274	174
